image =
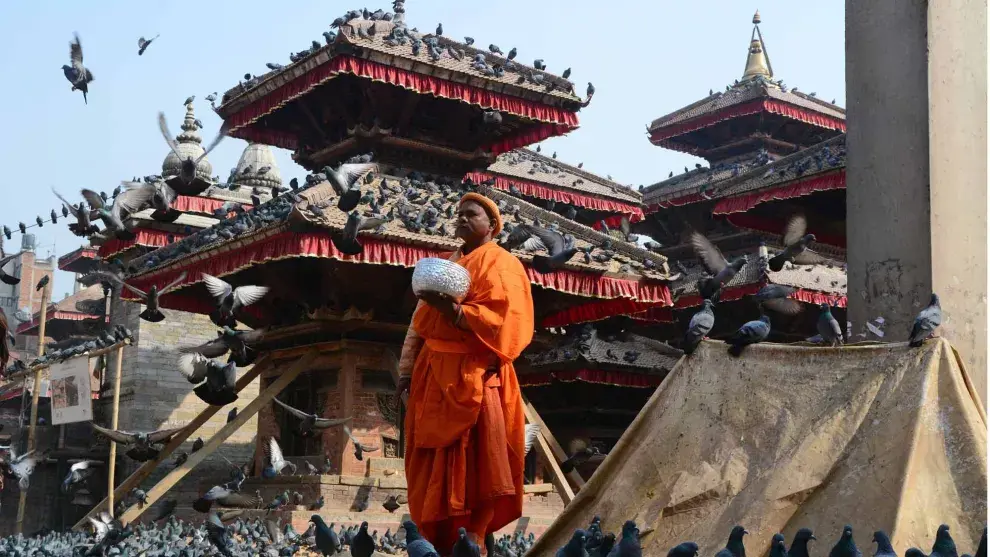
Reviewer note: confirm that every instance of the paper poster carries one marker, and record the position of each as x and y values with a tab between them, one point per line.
71	392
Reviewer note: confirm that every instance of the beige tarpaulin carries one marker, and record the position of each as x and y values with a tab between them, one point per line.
879	437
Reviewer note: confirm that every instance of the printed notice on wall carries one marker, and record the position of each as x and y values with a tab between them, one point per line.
71	392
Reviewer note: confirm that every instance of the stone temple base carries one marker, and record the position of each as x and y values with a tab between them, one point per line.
343	494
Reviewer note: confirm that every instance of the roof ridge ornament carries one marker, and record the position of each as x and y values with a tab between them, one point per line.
757	60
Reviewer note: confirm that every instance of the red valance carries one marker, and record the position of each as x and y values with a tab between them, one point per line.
774	225
553	121
772	106
202	205
72	257
147	237
541	191
800	188
285	245
53	316
597	311
596	376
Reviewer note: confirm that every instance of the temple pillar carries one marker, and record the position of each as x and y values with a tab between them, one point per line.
916	168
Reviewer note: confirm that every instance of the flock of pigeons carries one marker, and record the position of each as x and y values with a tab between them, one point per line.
776	297
593	542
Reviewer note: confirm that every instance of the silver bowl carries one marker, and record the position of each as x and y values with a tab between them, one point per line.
433	274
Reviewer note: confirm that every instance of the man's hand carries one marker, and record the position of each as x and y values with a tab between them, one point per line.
403	385
437	300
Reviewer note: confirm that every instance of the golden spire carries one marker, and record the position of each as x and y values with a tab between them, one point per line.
757	61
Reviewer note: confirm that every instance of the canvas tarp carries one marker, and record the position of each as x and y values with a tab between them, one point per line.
879	437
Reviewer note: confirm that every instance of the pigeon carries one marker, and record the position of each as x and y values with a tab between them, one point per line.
226	498
187	172
439	29
468	41
326	539
346	182
359	449
751	332
278	502
686	549
846	547
722	271
734	547
926	322
981	550
884	549
828	327
944	546
777	548
219	388
347	241
276	462
775	298
218	535
78	472
464	546
698	328
4	260
313	470
799	546
362	545
575	547
581	457
232	414
229	299
796	246
21	466
391	504
126	204
311	422
238	343
143	44
629	543
417	545
77	74
531	432
150	299
531	238
143	443
83	225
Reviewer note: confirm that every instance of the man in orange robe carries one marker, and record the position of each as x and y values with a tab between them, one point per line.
464	421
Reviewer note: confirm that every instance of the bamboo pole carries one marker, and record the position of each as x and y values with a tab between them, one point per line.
22	504
263	399
113	425
145	470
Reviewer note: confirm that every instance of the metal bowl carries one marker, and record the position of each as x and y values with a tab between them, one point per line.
433	274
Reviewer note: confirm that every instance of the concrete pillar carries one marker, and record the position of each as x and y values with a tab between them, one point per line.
916	167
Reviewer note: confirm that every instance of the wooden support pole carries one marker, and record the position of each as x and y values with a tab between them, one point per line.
135	479
45	295
545	443
112	465
533	417
263	399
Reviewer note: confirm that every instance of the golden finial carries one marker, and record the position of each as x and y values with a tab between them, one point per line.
756	18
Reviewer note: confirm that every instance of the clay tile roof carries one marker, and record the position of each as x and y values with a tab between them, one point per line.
403	57
827	156
627	259
746	91
530	165
628	351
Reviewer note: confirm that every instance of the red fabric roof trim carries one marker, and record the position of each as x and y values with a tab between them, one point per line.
675	202
554	121
597	311
615	221
202	205
596	376
776	225
10	394
772	106
147	237
377	251
800	188
28	326
541	191
81	253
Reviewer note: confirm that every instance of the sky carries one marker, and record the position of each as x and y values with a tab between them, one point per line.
646	59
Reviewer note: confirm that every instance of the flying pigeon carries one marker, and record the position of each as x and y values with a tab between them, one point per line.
143	44
796	246
311	422
77	74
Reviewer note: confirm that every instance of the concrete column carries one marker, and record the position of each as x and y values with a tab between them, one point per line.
957	123
916	168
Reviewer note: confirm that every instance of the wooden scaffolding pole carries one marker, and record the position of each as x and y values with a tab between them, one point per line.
112	463
263	399
557	452
139	475
45	295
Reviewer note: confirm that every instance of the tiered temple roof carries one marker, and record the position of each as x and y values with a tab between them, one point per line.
81	314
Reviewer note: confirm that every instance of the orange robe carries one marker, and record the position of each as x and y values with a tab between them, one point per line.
464	417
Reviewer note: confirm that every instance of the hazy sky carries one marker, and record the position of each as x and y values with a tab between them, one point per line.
646	59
